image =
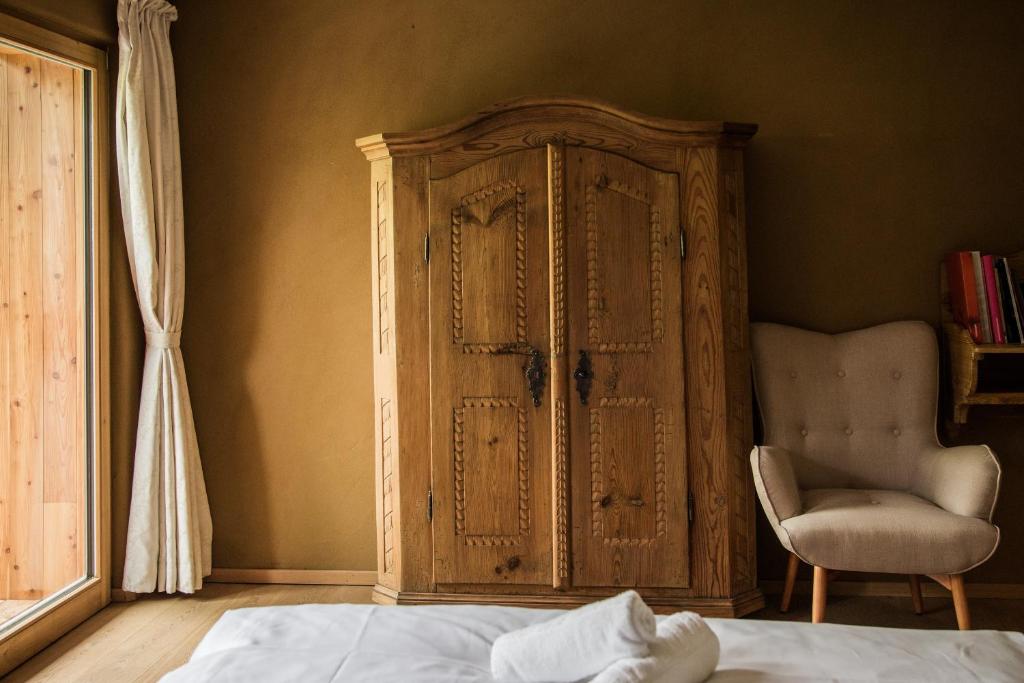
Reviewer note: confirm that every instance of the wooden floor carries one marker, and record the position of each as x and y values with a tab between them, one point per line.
142	640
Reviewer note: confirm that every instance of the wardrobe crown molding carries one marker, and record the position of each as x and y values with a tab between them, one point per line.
495	127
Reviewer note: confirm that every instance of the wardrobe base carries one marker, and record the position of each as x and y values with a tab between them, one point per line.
737	606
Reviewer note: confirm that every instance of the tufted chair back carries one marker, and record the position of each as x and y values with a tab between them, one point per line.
852	409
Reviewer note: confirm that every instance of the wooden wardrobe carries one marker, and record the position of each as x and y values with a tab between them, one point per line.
561	373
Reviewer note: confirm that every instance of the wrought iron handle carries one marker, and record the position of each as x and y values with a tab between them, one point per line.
583	374
533	369
534	372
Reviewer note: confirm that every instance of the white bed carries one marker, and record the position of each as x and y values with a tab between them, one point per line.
320	643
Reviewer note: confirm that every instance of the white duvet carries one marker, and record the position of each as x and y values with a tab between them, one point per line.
321	643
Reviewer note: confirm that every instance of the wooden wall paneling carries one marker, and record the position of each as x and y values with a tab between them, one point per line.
42	219
41	379
25	495
62	440
5	331
411	315
705	384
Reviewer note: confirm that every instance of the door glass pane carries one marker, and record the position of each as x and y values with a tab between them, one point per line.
44	330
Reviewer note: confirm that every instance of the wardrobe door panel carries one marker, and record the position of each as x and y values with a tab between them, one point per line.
490	436
627	424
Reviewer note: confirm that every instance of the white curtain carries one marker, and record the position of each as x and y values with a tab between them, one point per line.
169	527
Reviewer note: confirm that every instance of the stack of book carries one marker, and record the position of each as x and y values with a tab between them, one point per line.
985	297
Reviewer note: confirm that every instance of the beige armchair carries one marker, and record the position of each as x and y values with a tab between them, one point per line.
852	476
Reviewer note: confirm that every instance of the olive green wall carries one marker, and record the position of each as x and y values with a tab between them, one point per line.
890	133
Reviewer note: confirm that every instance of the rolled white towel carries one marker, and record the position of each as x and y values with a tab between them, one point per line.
685	651
577	644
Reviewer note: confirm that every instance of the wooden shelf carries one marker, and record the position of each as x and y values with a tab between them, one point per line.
985	349
965	356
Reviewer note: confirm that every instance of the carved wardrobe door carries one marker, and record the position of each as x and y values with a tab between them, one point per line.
490	429
626	420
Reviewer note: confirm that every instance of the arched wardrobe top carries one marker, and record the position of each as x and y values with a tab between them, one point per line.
531	122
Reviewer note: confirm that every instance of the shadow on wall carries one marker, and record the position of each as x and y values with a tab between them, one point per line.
217	361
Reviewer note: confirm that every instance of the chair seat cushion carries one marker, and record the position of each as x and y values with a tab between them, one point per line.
867	530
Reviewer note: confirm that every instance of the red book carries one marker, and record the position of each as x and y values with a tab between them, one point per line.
963	298
995	308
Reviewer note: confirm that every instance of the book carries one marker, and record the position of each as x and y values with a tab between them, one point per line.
1011	304
963	300
979	289
995	306
1016	296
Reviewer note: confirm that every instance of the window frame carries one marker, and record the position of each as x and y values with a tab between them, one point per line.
70	607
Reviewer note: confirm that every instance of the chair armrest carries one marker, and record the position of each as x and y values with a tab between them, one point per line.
775	481
963	480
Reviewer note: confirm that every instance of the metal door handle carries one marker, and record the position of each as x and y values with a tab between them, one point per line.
533	369
583	374
534	372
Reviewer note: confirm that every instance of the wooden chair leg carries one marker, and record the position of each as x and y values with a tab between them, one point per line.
915	594
787	590
819	595
963	614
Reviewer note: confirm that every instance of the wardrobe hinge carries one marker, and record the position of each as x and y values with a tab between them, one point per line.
690	507
682	242
430	505
426	247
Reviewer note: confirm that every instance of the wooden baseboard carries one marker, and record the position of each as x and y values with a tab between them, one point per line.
323	577
901	589
121	595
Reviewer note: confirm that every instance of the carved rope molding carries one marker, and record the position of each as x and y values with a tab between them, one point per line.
521	319
596	473
561	489
521	266
457	275
558	247
459	468
593	285
657	303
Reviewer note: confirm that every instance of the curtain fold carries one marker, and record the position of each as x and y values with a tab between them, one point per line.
169	526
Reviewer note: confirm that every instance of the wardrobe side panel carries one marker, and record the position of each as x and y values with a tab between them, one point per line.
401	372
412	334
705	371
384	372
732	218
